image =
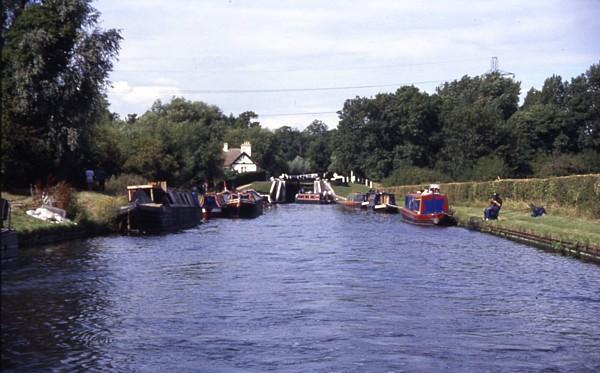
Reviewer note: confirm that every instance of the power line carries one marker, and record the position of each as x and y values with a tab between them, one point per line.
292	68
312	89
297	114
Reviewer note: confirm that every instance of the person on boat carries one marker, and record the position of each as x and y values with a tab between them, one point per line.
491	212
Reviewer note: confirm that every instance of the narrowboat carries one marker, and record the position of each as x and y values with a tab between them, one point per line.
154	208
243	204
213	205
382	202
357	199
315	198
429	207
9	241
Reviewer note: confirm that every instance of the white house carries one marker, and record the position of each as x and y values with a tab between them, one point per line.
239	159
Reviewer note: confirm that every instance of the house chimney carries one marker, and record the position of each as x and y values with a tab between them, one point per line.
246	148
225	147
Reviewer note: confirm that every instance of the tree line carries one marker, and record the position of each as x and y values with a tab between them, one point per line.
56	121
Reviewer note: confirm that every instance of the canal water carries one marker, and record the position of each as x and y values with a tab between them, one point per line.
300	289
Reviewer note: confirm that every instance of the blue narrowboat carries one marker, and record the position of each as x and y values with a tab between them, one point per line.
429	207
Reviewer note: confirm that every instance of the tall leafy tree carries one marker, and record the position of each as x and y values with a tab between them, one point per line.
55	66
474	114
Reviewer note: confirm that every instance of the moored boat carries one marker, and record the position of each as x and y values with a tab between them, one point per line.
383	202
214	205
244	204
353	200
427	208
357	199
315	198
154	208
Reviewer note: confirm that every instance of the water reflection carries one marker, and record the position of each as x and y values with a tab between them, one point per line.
301	288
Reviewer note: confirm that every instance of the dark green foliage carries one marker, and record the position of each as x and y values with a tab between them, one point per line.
472	129
55	65
117	184
412	175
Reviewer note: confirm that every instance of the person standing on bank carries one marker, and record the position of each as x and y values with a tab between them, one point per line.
101	177
491	212
89	178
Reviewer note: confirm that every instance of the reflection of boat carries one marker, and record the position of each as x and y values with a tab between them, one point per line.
213	205
427	208
382	202
154	208
246	204
316	198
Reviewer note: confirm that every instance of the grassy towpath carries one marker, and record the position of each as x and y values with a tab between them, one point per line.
577	231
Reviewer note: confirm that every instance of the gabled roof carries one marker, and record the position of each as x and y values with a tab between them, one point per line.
233	155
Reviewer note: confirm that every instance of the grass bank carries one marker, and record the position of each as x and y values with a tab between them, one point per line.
571	202
574	196
343	191
90	213
584	232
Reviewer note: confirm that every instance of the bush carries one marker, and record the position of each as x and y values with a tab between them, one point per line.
566	164
409	175
117	185
489	168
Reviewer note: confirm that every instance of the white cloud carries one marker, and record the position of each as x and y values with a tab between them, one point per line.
122	95
172	47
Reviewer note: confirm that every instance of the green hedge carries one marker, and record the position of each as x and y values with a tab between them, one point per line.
573	195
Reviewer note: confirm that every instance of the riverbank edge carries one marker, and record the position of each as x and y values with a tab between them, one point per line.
68	232
33	238
573	249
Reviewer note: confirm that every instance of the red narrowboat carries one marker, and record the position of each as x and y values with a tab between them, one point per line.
427	208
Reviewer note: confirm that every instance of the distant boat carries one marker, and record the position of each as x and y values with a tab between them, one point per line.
357	199
315	198
243	204
427	208
213	205
154	208
382	202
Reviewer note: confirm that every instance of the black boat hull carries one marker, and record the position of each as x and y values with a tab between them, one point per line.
156	219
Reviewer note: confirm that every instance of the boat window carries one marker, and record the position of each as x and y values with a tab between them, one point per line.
415	205
141	196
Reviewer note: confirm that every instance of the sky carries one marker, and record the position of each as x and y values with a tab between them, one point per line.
292	62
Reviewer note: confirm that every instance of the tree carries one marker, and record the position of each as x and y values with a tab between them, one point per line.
56	62
473	117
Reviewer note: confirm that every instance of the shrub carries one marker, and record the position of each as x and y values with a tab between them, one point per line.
117	185
61	194
566	164
489	168
407	175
